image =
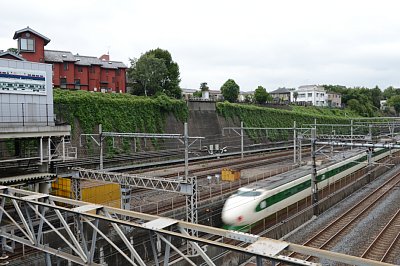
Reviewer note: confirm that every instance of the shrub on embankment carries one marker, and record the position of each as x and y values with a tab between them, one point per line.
117	112
84	111
262	117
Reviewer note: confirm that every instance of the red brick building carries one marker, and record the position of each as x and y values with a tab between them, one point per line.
71	71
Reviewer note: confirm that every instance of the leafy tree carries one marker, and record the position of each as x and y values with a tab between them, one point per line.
249	98
204	87
149	77
197	94
295	95
394	101
13	50
148	74
367	99
261	94
355	105
390	92
230	90
376	96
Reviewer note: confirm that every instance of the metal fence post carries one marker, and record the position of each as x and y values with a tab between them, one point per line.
47	114
23	115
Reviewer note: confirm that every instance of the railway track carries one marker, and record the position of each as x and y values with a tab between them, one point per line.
207	191
386	244
327	237
239	164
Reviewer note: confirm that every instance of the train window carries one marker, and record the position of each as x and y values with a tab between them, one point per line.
248	193
263	204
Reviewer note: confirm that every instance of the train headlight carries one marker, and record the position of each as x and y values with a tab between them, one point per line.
240	218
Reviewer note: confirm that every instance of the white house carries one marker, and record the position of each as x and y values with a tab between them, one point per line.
312	94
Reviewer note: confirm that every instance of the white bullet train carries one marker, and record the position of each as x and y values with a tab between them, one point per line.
259	200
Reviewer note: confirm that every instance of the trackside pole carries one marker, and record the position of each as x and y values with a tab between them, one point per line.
241	139
294	142
314	186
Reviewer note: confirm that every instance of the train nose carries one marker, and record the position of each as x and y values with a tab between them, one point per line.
232	218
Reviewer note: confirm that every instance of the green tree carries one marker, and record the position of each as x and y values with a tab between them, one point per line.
164	79
197	94
295	95
249	98
230	90
389	92
148	75
204	87
261	94
394	101
13	50
376	96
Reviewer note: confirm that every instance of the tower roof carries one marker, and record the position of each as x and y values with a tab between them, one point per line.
27	29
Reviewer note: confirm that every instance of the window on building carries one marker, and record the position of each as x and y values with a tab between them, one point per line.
63	83
317	94
301	95
309	94
77	84
106	71
118	72
65	66
92	69
113	79
27	44
80	70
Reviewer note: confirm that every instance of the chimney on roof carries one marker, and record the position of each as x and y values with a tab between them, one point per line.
105	57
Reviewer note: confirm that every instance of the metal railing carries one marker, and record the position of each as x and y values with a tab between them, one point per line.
26	114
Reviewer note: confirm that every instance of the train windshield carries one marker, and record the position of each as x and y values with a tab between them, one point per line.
248	193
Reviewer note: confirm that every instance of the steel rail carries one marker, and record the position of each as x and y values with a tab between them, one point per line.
379	244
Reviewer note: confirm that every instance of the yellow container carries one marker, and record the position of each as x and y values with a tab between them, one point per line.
228	174
97	192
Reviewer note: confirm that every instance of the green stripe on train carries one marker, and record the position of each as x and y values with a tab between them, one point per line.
307	184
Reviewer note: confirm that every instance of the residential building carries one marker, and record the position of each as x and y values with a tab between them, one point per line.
312	95
71	71
243	94
334	99
188	93
215	95
281	95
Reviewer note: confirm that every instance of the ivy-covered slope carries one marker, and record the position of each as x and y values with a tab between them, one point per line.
261	117
117	112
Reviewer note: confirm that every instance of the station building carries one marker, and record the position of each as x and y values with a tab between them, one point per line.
76	72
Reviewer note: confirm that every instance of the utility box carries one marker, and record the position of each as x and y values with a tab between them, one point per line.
97	192
229	174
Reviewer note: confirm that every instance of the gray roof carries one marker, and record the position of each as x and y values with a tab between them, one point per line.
113	64
189	90
80	60
281	91
87	60
12	54
58	56
19	32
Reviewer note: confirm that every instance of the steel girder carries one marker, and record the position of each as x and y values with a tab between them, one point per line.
155	183
46	210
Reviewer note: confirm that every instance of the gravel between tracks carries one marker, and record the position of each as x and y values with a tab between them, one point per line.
361	235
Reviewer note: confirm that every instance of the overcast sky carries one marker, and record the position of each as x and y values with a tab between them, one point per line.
269	43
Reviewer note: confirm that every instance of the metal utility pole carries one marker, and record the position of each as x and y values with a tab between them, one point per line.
294	142
351	133
314	185
101	146
186	141
241	139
